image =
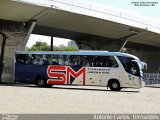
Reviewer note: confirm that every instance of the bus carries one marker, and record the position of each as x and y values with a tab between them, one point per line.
114	70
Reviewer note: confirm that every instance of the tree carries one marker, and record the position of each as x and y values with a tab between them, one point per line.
39	46
61	47
43	46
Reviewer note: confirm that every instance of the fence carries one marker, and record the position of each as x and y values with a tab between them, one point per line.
152	79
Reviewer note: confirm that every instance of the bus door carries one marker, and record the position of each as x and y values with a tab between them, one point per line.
134	81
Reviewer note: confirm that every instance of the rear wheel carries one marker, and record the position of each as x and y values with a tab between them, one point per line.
114	85
41	82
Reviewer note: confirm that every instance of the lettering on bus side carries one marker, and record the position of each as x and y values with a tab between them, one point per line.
64	74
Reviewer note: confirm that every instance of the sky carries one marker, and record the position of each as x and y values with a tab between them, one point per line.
148	11
56	41
151	12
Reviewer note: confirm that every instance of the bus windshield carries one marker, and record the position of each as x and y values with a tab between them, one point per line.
131	65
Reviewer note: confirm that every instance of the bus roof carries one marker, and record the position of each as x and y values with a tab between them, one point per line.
125	54
81	52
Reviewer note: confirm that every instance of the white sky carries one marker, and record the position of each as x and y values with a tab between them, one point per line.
56	41
147	11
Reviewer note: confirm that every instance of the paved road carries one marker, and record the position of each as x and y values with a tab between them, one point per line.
77	99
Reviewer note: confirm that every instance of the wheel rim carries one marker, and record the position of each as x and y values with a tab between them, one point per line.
115	85
41	82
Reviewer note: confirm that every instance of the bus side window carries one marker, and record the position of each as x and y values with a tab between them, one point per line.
21	58
90	60
70	60
55	59
110	61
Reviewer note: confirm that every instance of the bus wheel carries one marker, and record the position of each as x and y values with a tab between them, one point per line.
41	82
114	85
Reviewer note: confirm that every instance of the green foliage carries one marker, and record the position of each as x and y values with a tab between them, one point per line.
71	48
43	46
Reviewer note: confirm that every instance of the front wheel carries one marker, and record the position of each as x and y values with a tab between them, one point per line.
114	85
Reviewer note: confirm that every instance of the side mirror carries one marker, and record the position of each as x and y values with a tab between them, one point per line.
144	65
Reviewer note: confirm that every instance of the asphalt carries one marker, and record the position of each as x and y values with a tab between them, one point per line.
23	98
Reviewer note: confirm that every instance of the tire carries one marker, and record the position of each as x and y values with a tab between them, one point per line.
114	85
41	82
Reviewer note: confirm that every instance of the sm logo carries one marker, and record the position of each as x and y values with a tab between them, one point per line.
62	74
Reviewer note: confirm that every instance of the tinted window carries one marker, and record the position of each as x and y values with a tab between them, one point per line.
91	61
55	59
69	60
125	62
35	59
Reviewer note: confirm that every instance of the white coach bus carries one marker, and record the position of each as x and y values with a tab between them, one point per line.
94	68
